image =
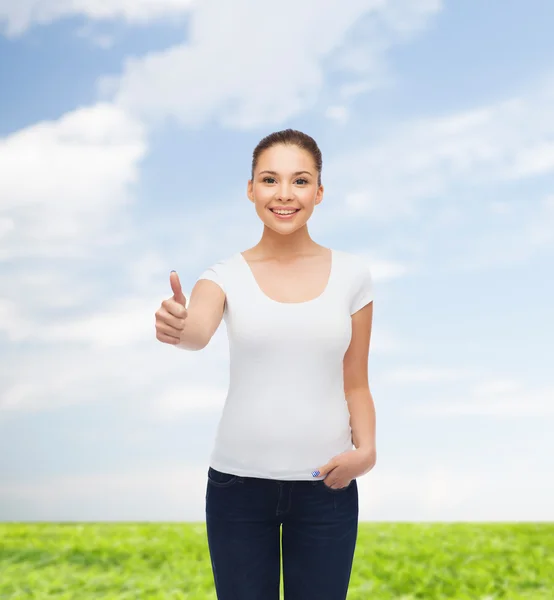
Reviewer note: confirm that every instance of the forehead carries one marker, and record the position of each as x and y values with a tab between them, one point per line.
285	157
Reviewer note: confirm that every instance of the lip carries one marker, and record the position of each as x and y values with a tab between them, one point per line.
284	208
288	217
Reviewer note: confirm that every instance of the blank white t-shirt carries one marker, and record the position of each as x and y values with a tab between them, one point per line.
285	413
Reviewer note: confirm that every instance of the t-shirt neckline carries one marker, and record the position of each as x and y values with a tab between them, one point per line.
262	293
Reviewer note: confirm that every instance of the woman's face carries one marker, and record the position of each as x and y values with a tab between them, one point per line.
285	177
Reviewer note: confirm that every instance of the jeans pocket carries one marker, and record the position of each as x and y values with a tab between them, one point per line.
220	479
336	490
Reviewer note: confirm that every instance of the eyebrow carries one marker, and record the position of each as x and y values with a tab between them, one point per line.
275	173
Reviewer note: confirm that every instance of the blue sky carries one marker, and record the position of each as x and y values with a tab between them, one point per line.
126	133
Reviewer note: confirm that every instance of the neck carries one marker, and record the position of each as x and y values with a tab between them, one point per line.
276	245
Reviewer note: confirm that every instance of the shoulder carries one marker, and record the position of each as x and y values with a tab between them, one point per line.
220	271
358	282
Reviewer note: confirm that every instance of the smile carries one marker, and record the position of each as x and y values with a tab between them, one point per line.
284	214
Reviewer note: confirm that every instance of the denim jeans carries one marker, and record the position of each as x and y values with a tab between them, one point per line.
245	519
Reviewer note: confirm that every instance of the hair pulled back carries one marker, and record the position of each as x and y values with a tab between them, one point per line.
291	137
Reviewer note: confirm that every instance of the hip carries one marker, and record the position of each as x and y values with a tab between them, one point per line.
239	497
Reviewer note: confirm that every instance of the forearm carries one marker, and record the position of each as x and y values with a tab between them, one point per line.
193	336
362	419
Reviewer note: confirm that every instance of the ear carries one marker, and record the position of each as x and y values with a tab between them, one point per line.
319	195
250	191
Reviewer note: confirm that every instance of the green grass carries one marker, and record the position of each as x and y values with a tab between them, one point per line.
400	561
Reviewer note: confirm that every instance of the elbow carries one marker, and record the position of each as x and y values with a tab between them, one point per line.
191	346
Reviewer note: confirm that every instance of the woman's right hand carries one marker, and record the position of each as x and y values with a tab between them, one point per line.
170	317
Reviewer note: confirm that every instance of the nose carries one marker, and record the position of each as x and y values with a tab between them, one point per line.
285	192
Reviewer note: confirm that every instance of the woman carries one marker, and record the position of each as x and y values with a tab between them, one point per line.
298	318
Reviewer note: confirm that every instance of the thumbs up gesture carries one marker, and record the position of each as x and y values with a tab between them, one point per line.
170	317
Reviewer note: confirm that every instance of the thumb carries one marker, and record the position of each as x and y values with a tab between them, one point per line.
325	469
176	288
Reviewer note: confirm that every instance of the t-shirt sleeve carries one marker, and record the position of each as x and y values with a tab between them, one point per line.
215	274
362	289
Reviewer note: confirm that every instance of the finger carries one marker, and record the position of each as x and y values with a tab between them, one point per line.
173	309
336	484
168	330
176	288
172	314
331	480
325	469
335	479
167	339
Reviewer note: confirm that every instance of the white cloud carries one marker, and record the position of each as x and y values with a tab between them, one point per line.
101	40
429	157
63	181
44	380
6	225
60	306
411	375
383	269
247	66
519	233
63	189
179	401
148	492
337	113
18	16
12	321
126	322
494	398
111	353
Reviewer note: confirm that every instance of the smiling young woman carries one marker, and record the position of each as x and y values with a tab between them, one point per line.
298	424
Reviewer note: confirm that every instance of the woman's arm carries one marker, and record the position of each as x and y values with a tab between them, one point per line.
356	385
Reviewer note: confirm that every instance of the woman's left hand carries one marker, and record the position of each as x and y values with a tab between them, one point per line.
345	467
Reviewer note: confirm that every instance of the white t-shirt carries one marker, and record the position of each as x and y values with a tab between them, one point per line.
285	413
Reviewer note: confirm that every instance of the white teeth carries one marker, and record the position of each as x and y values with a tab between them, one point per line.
280	212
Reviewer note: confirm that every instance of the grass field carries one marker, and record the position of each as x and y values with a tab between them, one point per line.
400	561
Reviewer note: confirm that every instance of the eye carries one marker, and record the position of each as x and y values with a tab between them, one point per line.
272	180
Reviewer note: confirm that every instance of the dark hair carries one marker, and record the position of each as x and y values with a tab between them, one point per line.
291	137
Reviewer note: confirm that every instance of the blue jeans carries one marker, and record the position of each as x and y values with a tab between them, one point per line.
244	517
